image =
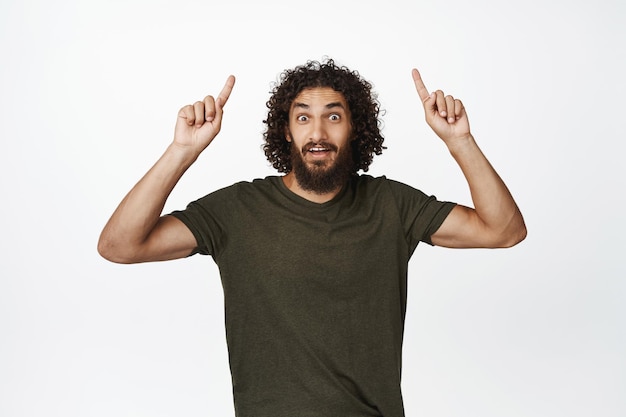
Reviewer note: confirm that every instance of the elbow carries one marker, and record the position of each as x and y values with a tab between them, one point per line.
513	236
515	239
112	253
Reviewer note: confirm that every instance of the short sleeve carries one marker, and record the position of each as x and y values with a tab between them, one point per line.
421	214
206	219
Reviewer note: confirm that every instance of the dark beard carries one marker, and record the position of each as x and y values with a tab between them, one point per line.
319	178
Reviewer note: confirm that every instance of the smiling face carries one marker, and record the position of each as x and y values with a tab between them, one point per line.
320	132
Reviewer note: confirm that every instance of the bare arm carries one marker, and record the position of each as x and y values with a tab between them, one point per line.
495	221
136	232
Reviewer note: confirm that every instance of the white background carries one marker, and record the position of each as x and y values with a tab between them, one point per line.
89	92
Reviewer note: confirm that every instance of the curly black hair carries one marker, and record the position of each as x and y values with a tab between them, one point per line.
362	102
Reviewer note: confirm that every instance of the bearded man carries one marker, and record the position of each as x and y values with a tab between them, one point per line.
314	262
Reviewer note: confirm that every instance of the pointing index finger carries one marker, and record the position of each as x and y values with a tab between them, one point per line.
419	85
222	98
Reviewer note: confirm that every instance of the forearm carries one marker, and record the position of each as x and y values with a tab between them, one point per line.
494	205
140	210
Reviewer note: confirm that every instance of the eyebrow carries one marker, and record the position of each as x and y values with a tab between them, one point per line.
328	106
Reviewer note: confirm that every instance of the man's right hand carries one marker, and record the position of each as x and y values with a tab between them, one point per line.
199	123
136	232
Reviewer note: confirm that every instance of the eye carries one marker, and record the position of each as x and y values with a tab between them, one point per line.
302	118
334	117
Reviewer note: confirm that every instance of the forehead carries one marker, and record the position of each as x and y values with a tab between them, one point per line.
319	96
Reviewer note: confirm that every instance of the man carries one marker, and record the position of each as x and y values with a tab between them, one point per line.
314	263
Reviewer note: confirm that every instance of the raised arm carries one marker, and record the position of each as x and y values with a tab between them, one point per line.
137	232
495	221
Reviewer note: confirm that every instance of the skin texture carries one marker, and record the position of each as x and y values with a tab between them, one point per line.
137	232
495	221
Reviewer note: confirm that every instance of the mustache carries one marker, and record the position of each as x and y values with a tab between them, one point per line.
323	144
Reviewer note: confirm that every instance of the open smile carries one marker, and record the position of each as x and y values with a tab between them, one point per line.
319	150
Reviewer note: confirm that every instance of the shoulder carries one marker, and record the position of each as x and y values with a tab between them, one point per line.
365	180
245	195
383	183
258	185
405	196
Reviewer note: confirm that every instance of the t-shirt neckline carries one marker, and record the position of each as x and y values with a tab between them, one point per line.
282	187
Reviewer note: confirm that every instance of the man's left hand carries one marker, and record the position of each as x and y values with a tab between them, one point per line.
444	114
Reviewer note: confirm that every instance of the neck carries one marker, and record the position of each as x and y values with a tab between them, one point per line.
291	183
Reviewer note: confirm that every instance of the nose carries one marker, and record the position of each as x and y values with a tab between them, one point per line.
318	131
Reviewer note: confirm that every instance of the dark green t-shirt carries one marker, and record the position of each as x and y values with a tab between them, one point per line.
315	294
